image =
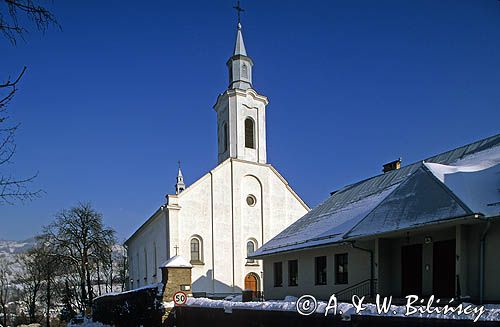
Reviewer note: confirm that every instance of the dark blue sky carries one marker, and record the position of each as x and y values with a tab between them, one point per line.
110	103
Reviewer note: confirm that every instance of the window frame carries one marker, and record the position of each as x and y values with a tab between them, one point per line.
254	245
342	261
318	279
199	260
225	136
278	274
249	138
293	280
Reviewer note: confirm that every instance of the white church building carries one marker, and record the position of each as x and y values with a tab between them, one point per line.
229	212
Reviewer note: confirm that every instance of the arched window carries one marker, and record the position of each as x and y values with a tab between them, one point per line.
244	71
225	136
250	249
196	250
249	133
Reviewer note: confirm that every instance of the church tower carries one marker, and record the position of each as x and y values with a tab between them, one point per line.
179	185
241	111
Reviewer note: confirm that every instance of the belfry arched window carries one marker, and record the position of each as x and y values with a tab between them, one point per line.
196	245
225	136
244	71
249	133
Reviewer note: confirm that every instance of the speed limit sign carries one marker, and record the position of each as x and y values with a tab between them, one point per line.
180	298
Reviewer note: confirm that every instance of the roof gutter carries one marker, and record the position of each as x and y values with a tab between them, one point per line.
263	255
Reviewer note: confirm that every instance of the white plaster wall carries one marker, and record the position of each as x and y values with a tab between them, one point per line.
359	270
214	208
152	233
195	219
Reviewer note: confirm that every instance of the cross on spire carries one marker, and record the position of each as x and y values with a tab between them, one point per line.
238	10
176	248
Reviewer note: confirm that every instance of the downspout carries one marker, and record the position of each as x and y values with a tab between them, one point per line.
212	223
482	261
372	273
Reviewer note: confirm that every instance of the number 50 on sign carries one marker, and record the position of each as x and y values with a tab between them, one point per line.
180	298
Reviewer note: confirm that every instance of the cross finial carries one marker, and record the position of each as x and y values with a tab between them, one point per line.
179	164
176	248
238	10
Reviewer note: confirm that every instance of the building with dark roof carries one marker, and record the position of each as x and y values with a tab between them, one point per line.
428	228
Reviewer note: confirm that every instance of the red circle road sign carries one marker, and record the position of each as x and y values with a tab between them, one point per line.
180	298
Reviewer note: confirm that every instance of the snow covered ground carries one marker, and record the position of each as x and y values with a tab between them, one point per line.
88	323
491	313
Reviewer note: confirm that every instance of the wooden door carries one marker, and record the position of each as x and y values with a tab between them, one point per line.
411	270
251	283
443	274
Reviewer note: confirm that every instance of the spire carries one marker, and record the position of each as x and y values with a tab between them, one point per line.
239	48
240	65
179	186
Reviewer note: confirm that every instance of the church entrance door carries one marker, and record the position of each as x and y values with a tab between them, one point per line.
251	283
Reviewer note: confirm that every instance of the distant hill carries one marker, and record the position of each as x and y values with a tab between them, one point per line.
10	250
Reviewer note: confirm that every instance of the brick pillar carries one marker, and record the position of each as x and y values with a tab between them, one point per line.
175	279
175	276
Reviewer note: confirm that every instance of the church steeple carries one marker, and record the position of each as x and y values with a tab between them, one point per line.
241	111
240	65
179	186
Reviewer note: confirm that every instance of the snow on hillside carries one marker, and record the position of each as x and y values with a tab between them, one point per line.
10	251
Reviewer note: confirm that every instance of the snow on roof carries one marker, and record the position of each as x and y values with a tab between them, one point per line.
474	179
411	196
419	200
330	227
176	262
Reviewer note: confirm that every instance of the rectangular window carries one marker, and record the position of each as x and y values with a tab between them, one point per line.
341	264
320	270
278	274
293	272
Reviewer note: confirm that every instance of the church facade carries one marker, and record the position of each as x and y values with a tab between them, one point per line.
229	212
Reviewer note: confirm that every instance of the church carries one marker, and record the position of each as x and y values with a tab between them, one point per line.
228	213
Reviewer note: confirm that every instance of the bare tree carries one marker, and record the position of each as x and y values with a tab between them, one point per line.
122	268
31	278
13	16
11	188
12	12
4	290
82	242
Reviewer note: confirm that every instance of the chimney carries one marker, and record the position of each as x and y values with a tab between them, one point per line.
393	165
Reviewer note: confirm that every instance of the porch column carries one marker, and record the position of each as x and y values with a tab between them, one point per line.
461	286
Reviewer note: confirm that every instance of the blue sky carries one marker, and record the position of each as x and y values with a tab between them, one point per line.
110	103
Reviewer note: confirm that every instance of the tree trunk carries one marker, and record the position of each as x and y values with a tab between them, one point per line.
82	287
89	286
4	312
98	279
49	295
111	272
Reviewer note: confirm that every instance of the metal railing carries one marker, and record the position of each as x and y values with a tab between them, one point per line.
364	288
